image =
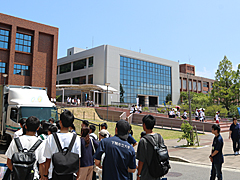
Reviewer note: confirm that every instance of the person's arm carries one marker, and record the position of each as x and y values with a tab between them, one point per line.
131	170
79	168
135	144
140	166
230	132
9	164
98	163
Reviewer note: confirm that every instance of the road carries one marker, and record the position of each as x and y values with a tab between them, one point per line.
189	171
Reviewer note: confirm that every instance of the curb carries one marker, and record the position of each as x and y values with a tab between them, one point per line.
179	159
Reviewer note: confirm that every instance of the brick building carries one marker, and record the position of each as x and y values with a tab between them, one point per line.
28	53
196	83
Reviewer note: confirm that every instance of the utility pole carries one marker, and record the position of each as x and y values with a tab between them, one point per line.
190	111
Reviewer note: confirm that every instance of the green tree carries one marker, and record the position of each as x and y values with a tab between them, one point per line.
121	93
223	88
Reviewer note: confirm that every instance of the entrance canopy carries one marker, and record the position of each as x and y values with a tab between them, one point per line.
86	88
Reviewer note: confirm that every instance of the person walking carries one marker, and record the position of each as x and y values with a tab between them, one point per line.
119	154
145	150
216	156
234	134
88	147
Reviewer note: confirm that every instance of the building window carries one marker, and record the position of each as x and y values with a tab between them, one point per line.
65	68
79	80
81	64
205	84
90	62
21	70
184	84
138	77
90	79
180	83
194	86
199	86
190	84
2	67
4	38
23	43
65	81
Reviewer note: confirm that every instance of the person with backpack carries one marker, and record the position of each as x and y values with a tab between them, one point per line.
88	148
63	152
91	133
152	153
119	154
25	152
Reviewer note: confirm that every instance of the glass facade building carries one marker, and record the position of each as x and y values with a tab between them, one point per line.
144	79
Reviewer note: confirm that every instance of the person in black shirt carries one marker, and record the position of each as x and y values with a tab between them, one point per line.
216	156
234	134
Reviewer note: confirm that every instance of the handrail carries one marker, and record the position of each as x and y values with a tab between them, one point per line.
122	115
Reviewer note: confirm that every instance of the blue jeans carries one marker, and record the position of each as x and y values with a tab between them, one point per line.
216	170
236	143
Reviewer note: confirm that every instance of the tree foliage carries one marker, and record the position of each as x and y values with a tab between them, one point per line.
226	87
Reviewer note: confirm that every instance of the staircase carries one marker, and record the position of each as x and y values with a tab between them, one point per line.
224	125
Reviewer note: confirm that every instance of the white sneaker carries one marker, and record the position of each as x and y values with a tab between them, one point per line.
236	153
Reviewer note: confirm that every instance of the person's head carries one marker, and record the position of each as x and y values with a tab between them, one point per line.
122	129
130	130
32	124
184	110
148	122
51	120
235	120
196	108
85	135
142	134
85	123
45	128
42	122
58	124
103	134
22	122
92	128
66	119
215	129
52	129
104	126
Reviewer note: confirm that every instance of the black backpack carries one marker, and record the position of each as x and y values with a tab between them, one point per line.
23	161
65	162
159	165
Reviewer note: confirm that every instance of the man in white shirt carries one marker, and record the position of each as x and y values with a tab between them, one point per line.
20	131
27	141
66	120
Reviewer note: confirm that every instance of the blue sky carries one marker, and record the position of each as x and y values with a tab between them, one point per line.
195	32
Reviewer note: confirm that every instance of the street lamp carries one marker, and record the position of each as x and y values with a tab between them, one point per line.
107	84
4	76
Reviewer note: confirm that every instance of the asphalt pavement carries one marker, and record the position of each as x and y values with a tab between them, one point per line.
190	171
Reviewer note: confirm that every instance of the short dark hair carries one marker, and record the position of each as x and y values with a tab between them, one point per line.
58	124
22	121
234	118
52	128
51	120
72	126
85	122
67	118
93	128
216	127
149	121
42	122
104	125
32	123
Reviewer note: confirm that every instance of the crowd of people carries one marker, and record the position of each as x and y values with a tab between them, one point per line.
73	101
61	154
136	109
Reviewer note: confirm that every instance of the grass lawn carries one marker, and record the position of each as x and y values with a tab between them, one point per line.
166	134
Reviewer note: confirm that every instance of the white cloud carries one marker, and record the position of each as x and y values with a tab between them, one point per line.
206	73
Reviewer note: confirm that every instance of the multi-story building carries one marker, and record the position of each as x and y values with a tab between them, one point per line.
134	75
196	84
28	53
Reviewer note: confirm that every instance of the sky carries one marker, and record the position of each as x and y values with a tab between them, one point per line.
194	32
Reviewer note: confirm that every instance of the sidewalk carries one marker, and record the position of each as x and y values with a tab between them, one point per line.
201	156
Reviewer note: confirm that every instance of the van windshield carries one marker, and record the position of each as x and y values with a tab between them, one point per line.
42	113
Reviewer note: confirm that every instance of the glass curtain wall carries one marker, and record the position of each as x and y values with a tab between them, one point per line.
139	77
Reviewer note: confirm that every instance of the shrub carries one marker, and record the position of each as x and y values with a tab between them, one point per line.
145	109
161	110
187	130
211	110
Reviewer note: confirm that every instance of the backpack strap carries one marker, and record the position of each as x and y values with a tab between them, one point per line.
72	142
152	141
35	146
18	144
57	142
